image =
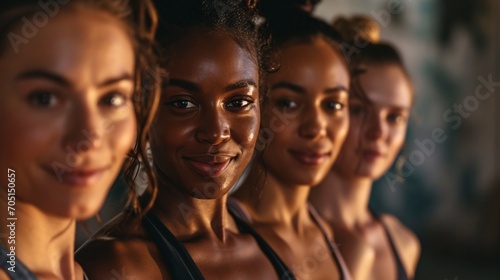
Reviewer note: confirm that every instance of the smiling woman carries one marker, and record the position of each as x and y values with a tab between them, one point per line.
304	124
375	247
201	140
70	102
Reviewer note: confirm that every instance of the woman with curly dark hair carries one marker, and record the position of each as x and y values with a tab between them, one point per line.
201	140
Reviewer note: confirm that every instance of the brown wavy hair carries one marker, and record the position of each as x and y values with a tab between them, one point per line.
140	20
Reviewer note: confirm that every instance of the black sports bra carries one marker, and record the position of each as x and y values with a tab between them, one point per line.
179	261
234	206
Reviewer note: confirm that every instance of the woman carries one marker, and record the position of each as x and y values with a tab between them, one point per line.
201	141
304	123
378	246
71	94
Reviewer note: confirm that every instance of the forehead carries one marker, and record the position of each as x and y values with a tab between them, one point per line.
386	85
79	43
312	63
212	57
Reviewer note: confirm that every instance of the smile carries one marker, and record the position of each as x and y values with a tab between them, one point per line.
310	158
78	177
210	165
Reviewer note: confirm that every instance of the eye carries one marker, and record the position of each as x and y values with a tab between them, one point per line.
182	104
286	103
42	98
114	99
334	106
239	103
396	118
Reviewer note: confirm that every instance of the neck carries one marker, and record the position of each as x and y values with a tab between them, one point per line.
43	242
343	201
187	216
276	202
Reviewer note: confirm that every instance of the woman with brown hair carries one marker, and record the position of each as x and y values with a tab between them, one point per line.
374	246
304	124
71	95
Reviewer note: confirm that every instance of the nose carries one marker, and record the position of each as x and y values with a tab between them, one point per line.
374	126
314	122
84	128
214	128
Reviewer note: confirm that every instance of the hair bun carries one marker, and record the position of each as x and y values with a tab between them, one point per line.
358	27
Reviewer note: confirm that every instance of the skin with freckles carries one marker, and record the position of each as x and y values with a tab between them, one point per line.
201	141
66	102
376	135
305	119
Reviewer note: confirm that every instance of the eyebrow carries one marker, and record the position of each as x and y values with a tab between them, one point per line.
240	84
302	90
190	86
58	79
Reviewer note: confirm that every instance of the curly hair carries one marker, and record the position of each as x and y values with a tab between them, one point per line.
140	19
236	18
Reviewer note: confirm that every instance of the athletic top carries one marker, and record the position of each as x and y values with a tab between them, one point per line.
401	271
179	261
235	207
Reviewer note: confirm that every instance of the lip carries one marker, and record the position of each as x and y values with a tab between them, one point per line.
310	158
78	177
371	155
210	166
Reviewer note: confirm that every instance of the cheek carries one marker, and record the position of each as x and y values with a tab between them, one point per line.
245	130
121	135
398	137
339	127
24	139
169	135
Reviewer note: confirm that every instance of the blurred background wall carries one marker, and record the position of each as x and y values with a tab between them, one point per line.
450	195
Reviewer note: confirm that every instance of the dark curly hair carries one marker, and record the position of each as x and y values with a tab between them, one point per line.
236	18
139	18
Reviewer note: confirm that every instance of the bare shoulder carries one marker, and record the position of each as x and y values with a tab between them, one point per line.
358	254
406	242
120	250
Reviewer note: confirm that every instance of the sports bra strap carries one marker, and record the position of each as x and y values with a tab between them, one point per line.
174	254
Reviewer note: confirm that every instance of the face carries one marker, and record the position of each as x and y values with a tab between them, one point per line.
208	119
306	117
68	121
378	125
